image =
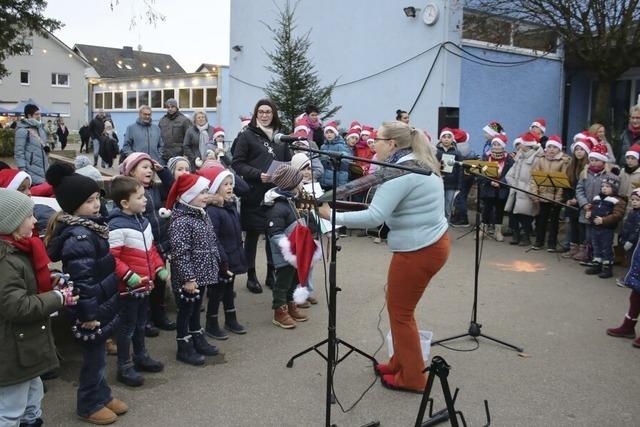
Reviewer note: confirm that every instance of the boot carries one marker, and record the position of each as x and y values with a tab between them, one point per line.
573	250
270	281
102	416
596	268
129	376
231	323
161	320
253	284
295	313
525	240
607	270
147	364
201	345
117	406
187	354
626	330
151	331
281	318
582	254
515	239
213	329
507	232
37	423
636	343
499	236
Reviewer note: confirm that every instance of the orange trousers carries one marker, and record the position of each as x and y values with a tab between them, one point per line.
409	275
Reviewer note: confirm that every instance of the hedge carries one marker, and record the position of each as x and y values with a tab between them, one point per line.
7	139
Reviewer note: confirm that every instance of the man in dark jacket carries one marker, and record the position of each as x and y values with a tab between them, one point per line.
631	134
96	129
173	127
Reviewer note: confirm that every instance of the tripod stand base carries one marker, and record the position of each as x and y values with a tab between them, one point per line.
475	331
315	348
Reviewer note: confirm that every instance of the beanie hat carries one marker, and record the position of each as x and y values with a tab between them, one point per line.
583	140
71	189
501	139
493	129
599	152
216	175
171	102
172	163
446	131
555	141
528	139
332	126
353	133
185	188
132	160
460	136
217	131
286	177
634	151
15	207
540	123
81	161
612	180
299	161
355	125
90	172
366	130
12	178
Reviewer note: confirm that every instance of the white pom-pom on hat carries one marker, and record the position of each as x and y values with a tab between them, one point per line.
199	162
164	212
301	294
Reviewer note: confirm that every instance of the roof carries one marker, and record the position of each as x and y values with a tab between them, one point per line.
206	68
127	62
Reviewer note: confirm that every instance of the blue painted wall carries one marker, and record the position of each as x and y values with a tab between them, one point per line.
579	99
514	96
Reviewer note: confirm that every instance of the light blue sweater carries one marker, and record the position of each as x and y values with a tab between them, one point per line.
412	207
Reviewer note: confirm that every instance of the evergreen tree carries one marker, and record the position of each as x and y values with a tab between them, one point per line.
295	83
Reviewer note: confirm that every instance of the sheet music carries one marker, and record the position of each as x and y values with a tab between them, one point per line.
314	189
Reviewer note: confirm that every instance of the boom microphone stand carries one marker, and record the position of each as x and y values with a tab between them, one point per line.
332	340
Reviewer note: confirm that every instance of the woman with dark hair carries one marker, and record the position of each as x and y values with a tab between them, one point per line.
254	152
312	114
402	116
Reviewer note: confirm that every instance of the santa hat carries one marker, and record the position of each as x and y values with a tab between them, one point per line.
12	178
372	138
353	132
460	136
500	139
132	160
540	123
302	251
332	126
555	141
355	125
517	141
366	130
446	131
528	139
216	175
493	129
185	189
302	124
244	121
300	161
599	152
584	141
634	151
585	135
217	131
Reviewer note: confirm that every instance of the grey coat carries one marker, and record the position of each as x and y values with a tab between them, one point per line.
519	176
29	150
143	137
191	144
173	130
589	186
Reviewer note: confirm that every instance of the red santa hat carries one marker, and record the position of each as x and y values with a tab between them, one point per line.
599	152
216	175
555	141
185	189
332	126
584	141
217	131
634	151
366	130
460	136
245	120
355	125
353	132
528	139
302	128
372	138
446	131
302	251
493	129
584	136
12	178
540	123
500	139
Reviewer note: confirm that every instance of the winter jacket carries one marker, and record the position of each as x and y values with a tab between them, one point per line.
488	191
29	150
610	208
194	246
43	214
27	344
86	258
156	195
191	144
109	148
629	179
631	227
173	129
519	176
251	157
96	127
453	180
559	164
337	145
226	224
85	133
281	215
588	187
628	139
131	243
62	134
144	138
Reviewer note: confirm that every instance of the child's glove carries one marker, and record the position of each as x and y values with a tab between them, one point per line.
627	246
59	280
162	274
68	297
134	280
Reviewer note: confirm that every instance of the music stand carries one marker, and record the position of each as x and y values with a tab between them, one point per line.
551	179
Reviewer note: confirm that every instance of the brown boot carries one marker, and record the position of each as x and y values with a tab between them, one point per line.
112	348
297	314
117	406
281	318
101	417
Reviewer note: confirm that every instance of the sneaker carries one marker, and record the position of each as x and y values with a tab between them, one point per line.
556	249
537	246
459	223
620	282
377	240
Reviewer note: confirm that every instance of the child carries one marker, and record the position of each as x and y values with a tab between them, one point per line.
282	217
552	160
195	263
363	149
452	180
580	150
143	168
333	142
492	194
79	238
605	212
630	229
27	300
137	265
226	224
490	131
630	174
178	165
538	127
460	212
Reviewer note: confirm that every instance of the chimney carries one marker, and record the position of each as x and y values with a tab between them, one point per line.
127	52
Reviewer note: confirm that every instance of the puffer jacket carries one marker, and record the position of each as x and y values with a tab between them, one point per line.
631	227
453	180
194	246
86	258
27	344
488	191
131	242
173	129
29	150
141	137
337	145
281	216
226	224
519	176
610	208
629	179
192	144
156	195
559	164
589	186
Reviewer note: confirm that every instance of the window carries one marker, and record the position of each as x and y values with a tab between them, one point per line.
534	38
156	99
62	108
25	77
108	101
131	100
197	98
212	94
167	94
117	100
184	101
58	79
143	98
97	101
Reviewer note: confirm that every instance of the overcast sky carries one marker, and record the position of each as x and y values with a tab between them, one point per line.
193	32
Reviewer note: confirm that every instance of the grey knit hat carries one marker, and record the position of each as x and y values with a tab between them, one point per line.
171	101
81	161
173	162
286	177
15	207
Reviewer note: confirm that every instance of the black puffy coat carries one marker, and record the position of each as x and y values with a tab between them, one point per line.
156	195
251	157
488	191
86	258
226	223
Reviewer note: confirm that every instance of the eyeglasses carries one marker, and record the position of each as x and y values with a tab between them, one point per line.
265	112
382	139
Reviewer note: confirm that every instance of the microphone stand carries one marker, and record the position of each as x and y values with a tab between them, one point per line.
332	340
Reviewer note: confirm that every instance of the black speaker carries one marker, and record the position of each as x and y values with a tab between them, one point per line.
448	117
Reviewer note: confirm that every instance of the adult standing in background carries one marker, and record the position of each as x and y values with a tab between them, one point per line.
143	136
96	129
85	137
63	133
402	116
50	128
631	135
173	128
599	133
198	139
254	151
30	147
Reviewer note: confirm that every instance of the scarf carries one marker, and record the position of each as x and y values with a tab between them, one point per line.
635	133
314	124
88	222
500	159
596	169
267	130
203	140
630	170
34	248
32	123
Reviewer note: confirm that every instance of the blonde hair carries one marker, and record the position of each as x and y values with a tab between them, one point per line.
406	136
634	109
195	115
51	226
594	127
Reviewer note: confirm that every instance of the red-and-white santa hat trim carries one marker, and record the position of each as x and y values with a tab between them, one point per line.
12	178
332	126
501	139
599	152
540	123
217	131
555	141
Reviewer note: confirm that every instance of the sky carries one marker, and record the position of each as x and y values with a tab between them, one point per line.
193	32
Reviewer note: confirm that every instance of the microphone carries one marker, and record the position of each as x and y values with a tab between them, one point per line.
467	165
281	138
